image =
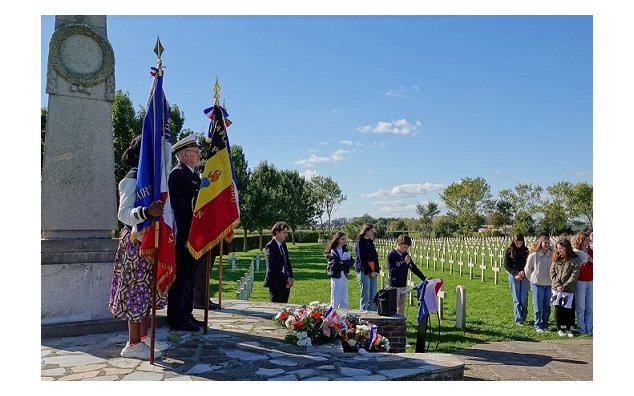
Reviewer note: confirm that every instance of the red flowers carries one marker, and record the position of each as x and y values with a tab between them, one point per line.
298	325
283	315
315	315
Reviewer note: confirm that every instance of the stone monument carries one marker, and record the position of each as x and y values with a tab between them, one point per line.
79	200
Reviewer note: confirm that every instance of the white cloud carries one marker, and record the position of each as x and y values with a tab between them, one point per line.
398	127
336	156
500	172
406	190
397	210
400	208
346	142
401	92
308	174
582	173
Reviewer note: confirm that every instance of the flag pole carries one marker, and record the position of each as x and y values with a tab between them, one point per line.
207	270
217	103
158	50
220	274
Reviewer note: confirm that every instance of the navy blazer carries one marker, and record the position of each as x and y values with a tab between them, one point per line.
183	187
274	277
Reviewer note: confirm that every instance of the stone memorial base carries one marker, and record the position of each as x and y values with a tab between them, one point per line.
76	279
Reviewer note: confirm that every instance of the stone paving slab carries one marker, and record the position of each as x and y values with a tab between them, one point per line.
548	360
242	344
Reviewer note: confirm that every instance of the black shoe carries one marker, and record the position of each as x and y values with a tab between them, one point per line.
212	305
196	322
185	326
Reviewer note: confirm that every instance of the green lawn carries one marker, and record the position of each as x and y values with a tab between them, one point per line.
489	306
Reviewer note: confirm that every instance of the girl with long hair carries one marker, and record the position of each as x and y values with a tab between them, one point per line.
537	271
514	262
367	267
583	291
339	263
564	273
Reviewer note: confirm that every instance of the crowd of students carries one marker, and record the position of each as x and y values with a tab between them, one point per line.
560	277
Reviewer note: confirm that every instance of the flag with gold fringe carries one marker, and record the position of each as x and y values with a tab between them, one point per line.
155	160
217	212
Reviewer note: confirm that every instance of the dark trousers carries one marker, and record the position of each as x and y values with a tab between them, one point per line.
565	317
279	294
201	281
180	298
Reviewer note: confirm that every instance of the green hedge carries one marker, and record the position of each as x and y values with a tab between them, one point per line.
304	236
253	241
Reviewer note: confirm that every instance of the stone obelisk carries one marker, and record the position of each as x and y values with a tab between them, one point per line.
79	199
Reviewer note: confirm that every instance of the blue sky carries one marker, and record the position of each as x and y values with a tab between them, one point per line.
393	108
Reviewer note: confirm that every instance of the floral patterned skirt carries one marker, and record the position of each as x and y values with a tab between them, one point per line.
130	293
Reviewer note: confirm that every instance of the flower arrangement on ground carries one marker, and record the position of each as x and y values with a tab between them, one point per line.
362	336
310	323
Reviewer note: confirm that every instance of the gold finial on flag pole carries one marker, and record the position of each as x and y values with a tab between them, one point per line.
158	48
216	92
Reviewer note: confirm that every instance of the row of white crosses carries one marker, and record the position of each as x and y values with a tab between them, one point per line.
453	254
244	286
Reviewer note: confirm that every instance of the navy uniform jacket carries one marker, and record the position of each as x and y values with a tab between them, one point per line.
397	268
275	278
183	187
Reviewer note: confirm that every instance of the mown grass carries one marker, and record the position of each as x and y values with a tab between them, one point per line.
489	306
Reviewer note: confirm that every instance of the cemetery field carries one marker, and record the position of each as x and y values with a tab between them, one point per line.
489	306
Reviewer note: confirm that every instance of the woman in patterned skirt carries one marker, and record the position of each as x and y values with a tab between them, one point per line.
132	278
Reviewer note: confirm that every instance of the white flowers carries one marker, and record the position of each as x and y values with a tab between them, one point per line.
303	339
352	342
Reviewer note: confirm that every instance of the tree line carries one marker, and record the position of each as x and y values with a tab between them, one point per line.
525	208
267	195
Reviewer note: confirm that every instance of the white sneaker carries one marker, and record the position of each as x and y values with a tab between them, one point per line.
138	351
569	333
561	333
539	330
158	345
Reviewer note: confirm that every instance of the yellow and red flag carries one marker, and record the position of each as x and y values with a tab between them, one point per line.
217	212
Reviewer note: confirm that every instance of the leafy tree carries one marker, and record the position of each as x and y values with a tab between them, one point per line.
327	194
467	199
125	127
575	199
412	224
523	197
243	175
497	219
523	223
295	200
444	226
396	225
555	218
264	197
427	213
580	201
354	226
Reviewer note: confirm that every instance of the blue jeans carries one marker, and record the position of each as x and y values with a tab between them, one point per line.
583	307
519	290
368	291
541	305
